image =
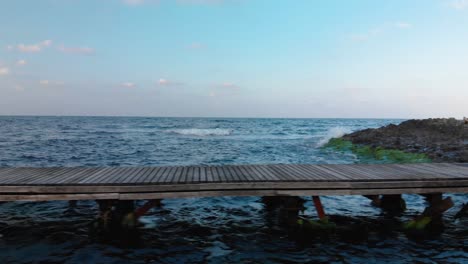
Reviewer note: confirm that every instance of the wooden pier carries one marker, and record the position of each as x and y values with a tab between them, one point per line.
135	183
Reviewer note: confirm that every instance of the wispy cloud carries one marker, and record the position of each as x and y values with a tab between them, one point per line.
367	35
21	62
403	25
31	48
166	82
133	2
139	2
50	83
228	85
459	4
4	71
361	37
128	85
76	50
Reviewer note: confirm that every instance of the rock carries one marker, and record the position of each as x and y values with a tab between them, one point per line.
442	139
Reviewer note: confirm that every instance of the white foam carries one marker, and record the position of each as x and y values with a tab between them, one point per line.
334	132
200	132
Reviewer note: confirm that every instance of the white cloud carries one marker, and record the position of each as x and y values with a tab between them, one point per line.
76	50
128	85
375	32
46	43
163	81
29	48
166	82
32	48
48	82
228	85
366	36
4	71
403	25
21	62
38	47
139	2
459	4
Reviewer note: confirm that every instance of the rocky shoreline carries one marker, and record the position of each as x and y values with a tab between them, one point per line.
441	140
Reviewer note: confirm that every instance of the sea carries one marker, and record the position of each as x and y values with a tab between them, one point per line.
206	230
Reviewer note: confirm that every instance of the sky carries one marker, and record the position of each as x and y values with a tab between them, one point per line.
235	58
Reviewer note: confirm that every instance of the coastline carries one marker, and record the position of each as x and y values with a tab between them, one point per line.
438	140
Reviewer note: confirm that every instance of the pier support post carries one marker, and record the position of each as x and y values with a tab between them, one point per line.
432	215
322	224
463	212
130	219
319	207
393	203
122	214
437	205
286	207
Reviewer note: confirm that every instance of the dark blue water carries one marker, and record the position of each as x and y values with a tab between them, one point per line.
204	230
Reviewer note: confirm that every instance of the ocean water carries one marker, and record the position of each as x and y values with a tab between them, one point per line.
205	230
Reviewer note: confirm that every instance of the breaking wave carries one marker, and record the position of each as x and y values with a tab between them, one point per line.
200	132
334	132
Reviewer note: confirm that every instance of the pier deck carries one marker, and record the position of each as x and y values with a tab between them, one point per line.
133	183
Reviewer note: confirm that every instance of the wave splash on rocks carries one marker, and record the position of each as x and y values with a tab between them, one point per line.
441	139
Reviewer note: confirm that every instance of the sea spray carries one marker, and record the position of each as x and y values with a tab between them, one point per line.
334	132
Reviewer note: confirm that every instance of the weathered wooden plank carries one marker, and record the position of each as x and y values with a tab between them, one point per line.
168	175
30	174
22	173
148	175
300	173
88	183
137	176
183	175
249	172
209	174
257	173
136	196
166	195
97	175
176	174
220	176
196	174
190	175
231	186
126	172
55	174
203	174
80	176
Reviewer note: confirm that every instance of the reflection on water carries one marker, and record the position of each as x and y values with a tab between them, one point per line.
226	230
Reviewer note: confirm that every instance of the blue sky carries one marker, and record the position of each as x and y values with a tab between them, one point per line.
234	58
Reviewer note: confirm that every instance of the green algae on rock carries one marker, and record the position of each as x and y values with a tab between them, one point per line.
378	154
